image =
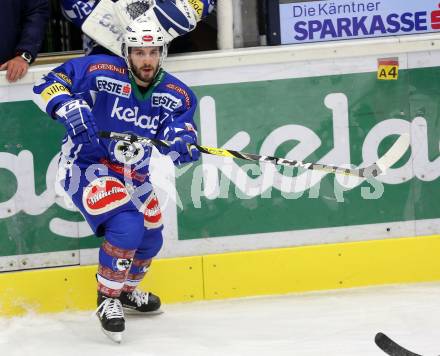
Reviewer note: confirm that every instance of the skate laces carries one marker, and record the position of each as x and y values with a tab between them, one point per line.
111	307
138	297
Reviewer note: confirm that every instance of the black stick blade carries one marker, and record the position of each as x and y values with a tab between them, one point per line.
391	347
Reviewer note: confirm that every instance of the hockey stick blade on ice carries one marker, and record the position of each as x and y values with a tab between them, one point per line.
377	168
391	347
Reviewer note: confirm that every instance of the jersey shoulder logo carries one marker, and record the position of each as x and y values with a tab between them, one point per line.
64	77
54	90
107	67
181	91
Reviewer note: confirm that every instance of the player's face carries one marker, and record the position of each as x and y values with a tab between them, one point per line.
144	62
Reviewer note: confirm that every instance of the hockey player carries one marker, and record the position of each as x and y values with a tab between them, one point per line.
109	181
172	20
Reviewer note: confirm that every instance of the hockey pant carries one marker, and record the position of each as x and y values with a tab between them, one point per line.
130	221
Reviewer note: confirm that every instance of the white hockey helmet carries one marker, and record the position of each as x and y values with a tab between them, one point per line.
143	33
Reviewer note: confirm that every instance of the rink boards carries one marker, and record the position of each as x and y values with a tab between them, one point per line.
233	275
234	228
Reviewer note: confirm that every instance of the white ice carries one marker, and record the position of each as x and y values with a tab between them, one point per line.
336	323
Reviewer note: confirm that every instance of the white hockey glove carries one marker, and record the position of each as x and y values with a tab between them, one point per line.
174	17
128	10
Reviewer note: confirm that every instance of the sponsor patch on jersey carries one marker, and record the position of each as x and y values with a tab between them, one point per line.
53	91
166	100
104	194
106	66
127	153
131	115
64	77
152	213
182	92
113	86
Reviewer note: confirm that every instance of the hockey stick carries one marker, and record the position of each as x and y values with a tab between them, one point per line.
391	347
379	167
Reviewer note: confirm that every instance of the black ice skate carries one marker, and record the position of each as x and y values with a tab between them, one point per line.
111	315
138	302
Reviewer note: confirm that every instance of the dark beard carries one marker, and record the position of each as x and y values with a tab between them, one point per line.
146	79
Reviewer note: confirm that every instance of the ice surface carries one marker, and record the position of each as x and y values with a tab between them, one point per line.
339	323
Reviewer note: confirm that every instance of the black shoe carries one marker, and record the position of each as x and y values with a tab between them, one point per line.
111	316
142	302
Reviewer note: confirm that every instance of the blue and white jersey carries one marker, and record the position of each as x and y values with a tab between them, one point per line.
76	11
165	111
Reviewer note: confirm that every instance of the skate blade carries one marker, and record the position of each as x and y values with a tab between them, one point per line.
113	336
129	311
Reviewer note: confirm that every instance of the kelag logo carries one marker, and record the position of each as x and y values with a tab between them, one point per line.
327	20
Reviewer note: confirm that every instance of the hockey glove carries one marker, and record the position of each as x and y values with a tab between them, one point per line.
180	150
174	18
77	118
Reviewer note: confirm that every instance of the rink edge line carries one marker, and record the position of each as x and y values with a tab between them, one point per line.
238	274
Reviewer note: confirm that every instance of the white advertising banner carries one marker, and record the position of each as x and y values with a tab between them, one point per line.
313	21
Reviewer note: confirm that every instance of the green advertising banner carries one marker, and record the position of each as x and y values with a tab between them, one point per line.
338	119
292	114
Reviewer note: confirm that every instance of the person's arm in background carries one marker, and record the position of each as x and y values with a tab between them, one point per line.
34	18
76	11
